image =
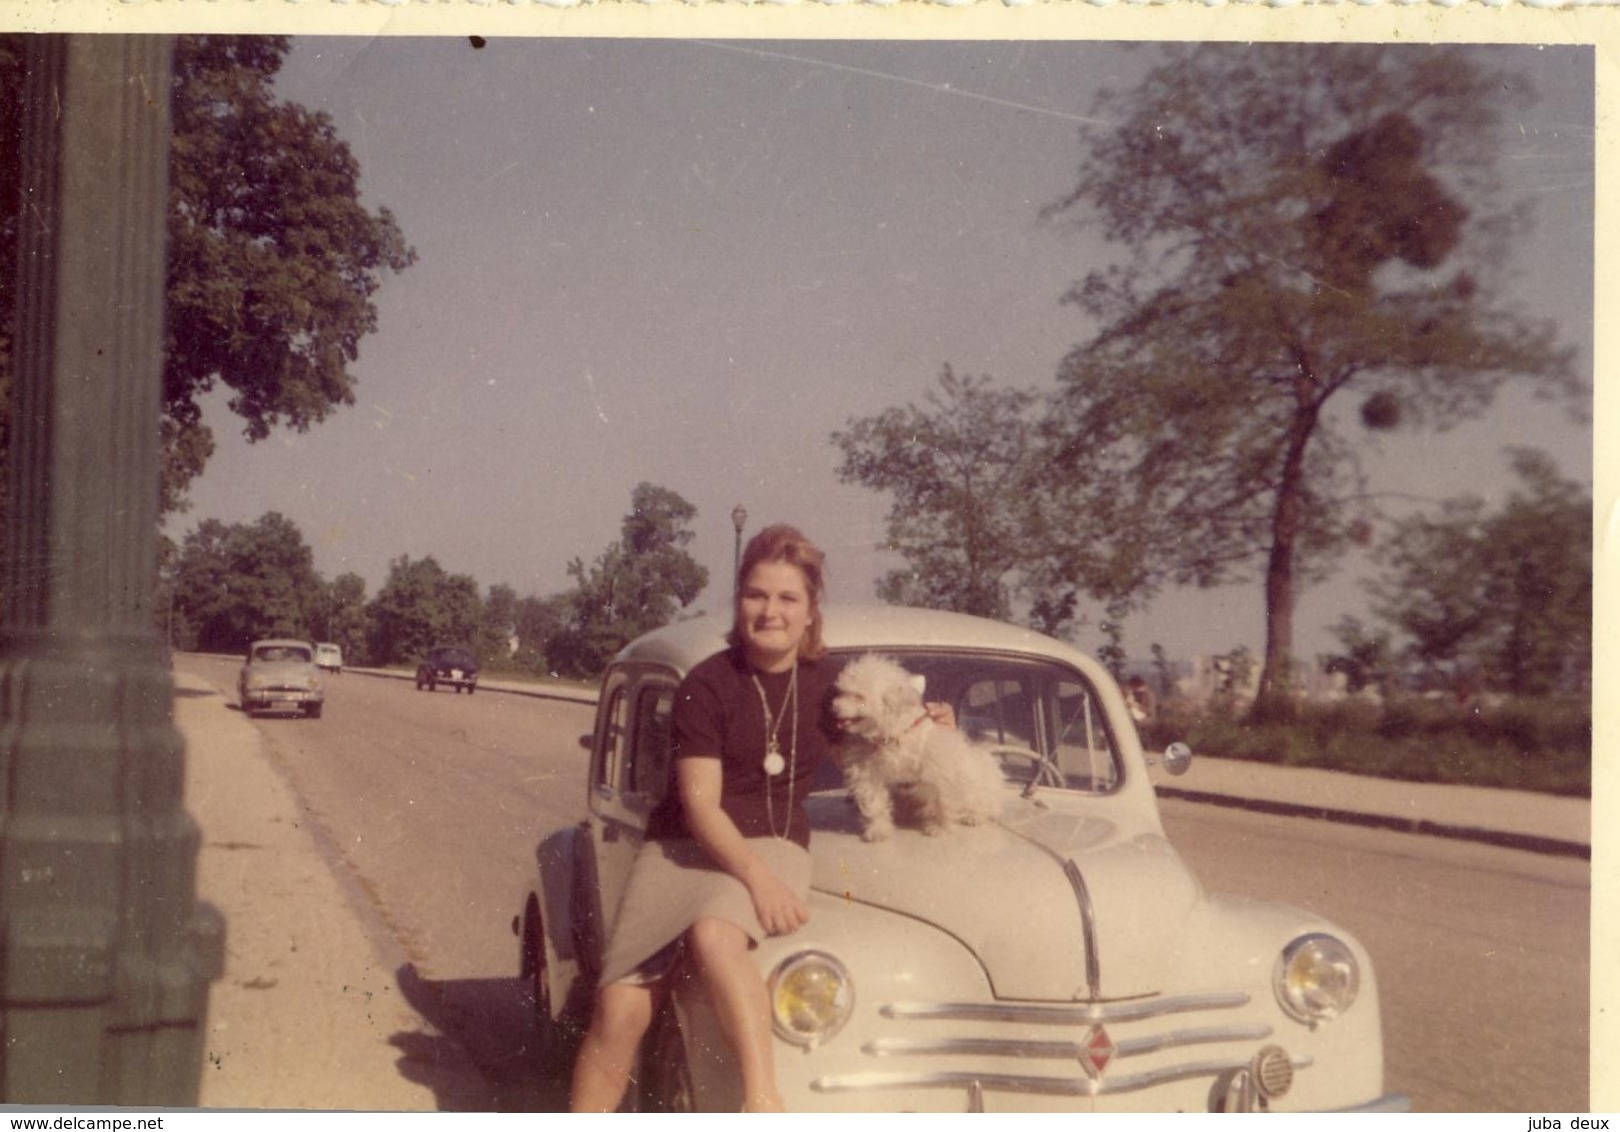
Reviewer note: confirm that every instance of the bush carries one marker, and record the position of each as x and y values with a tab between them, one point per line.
1543	745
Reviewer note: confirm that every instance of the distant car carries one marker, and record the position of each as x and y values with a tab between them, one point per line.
1062	958
329	658
448	664
281	674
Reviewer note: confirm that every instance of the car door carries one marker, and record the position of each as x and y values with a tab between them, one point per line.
629	775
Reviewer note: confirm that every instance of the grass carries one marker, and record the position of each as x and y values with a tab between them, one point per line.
1542	745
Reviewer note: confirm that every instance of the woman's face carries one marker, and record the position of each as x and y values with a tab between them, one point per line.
773	612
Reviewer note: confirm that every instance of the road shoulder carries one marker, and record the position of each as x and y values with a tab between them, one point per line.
307	1014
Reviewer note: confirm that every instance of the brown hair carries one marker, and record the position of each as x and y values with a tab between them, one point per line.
782	543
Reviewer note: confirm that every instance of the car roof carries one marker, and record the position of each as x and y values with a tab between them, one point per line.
863	628
282	642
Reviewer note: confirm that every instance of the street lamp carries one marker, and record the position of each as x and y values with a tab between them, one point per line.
739	516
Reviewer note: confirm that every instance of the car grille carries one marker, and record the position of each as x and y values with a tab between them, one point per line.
1079	1050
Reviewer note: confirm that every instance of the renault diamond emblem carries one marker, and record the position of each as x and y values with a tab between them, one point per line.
1096	1052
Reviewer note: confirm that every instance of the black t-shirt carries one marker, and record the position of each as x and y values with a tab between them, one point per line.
718	715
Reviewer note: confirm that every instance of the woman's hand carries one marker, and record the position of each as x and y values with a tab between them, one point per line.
941	713
779	908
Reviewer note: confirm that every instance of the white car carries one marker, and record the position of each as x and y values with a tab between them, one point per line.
329	658
1062	959
280	674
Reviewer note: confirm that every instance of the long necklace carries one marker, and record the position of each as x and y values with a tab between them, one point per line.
773	763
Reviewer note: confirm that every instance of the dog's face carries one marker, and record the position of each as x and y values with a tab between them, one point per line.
876	699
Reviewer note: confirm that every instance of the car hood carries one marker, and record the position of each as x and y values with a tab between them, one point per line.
1003	890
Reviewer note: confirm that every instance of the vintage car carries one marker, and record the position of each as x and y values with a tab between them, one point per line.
1062	959
329	658
280	674
448	664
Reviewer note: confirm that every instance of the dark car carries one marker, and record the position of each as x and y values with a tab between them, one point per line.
447	664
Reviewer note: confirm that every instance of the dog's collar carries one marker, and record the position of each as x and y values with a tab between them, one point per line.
916	723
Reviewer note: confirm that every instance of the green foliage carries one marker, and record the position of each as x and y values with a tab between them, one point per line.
956	467
1367	660
637	584
1271	266
1542	744
236	584
1112	651
419	606
341	617
1501	598
497	623
272	259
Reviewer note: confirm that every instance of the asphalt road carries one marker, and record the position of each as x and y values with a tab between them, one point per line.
430	805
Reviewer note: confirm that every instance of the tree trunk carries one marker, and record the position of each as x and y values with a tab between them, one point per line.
1273	698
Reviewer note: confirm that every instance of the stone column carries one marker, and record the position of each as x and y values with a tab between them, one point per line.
105	954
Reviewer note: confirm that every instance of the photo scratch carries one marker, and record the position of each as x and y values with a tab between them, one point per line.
595	400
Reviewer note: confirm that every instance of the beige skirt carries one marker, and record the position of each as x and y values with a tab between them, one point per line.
673	884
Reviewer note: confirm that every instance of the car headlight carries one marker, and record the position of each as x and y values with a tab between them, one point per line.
256	682
812	997
1317	978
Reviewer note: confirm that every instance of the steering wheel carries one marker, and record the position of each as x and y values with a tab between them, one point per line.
1046	772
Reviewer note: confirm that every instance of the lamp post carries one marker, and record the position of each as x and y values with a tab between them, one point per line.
739	516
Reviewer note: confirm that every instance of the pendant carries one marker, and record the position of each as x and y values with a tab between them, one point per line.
774	763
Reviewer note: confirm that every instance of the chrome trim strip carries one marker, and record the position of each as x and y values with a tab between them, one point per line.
1077	1086
1088	926
1067	1051
1081	1013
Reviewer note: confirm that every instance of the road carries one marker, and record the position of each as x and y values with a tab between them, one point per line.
430	805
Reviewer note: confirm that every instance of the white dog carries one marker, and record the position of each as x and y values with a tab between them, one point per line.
893	752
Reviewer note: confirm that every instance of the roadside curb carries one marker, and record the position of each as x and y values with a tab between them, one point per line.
1532	843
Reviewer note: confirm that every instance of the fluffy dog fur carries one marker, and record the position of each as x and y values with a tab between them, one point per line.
892	753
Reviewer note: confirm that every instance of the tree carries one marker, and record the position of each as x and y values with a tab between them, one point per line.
1507	595
272	259
342	616
956	467
536	621
242	582
639	583
498	622
1368	659
419	606
1275	266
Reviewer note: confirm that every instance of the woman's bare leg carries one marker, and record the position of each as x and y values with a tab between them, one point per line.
608	1053
742	1006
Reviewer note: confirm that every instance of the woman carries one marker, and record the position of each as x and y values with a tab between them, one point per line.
726	861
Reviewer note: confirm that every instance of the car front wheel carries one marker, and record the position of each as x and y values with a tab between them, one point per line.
548	1034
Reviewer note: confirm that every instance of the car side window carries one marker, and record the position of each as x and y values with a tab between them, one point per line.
1000	711
612	733
1083	748
648	771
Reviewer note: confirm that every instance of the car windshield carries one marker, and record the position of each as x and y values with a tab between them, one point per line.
455	656
1042	719
273	654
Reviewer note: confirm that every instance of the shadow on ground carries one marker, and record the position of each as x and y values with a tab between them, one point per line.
482	1053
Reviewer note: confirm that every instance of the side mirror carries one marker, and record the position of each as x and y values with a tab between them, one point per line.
1177	758
588	741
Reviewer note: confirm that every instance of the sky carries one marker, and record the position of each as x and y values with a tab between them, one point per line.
688	262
